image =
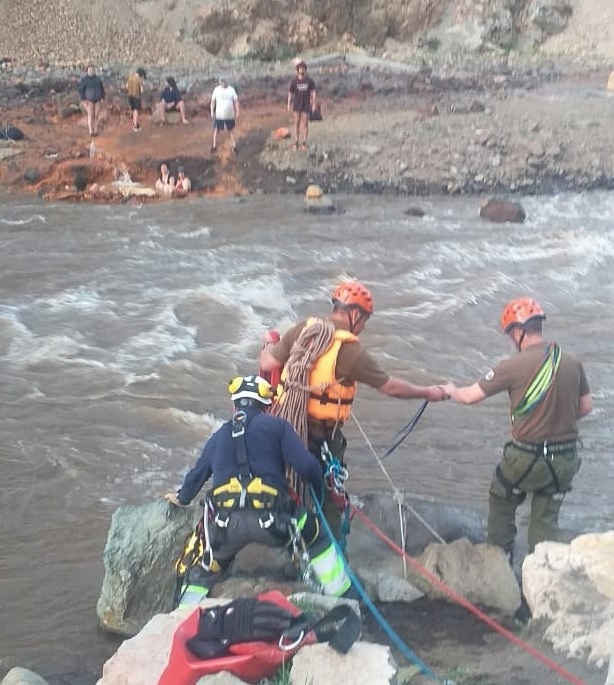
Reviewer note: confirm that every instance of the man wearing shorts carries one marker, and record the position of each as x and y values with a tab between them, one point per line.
134	86
224	111
301	102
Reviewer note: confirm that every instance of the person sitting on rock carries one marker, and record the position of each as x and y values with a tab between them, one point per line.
165	183
249	500
171	101
183	184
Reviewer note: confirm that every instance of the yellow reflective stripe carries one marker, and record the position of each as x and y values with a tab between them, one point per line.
540	384
329	570
192	595
192	552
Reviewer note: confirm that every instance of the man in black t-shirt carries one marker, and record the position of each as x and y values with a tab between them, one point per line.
301	102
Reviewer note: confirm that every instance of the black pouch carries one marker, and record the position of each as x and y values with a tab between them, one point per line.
243	620
253	620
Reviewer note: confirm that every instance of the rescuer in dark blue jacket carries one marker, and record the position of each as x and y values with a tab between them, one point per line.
246	460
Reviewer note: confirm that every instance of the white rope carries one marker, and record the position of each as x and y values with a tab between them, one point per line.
398	497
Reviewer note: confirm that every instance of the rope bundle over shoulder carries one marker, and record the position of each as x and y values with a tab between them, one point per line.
312	342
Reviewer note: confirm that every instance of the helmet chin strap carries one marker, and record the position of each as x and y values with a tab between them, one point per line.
355	316
519	342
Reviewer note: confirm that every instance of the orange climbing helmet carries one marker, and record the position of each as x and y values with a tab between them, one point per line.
519	312
353	295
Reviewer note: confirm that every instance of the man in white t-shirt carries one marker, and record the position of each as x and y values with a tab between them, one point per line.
224	111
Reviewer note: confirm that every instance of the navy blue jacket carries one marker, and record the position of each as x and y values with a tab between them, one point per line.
91	88
271	445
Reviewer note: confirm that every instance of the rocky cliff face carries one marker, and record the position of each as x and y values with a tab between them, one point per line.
274	29
197	32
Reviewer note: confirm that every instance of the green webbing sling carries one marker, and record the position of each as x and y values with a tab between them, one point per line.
540	383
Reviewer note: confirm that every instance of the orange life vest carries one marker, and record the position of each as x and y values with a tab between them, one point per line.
329	399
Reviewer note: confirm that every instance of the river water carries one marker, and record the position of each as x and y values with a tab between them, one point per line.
121	326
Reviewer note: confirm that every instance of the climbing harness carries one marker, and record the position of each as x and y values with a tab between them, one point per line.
542	450
335	475
300	553
239	492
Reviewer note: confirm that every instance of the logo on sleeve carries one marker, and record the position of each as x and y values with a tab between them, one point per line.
489	376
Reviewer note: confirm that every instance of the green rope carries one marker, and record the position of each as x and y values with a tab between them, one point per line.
540	384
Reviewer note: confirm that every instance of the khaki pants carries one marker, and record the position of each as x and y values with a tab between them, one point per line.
545	502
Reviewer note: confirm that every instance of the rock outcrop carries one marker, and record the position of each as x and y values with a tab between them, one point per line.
502	211
570	588
479	573
138	556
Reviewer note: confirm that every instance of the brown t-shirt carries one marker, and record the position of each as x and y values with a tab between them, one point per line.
354	363
555	418
134	86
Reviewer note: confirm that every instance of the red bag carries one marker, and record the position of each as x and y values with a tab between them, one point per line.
250	661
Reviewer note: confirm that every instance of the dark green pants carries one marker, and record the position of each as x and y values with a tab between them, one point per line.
546	501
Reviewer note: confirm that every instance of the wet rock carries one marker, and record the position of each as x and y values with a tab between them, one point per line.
137	583
414	211
320	205
313	192
80	179
502	211
22	676
32	175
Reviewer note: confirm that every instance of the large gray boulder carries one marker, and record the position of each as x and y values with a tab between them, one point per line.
480	573
139	555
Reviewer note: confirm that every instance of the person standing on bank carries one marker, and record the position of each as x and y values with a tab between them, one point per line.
249	502
548	392
336	363
134	86
91	92
224	111
302	100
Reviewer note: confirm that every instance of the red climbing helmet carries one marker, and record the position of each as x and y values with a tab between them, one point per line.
519	312
353	295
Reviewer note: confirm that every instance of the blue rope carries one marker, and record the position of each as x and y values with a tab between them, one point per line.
403	648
